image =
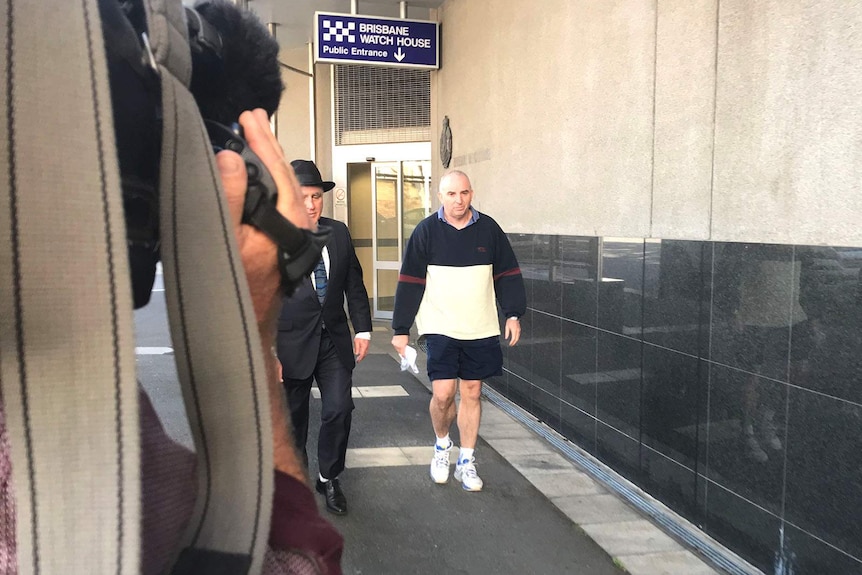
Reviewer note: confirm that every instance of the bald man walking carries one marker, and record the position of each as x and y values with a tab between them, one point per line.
457	265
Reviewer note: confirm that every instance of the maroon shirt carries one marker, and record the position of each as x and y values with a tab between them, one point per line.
301	542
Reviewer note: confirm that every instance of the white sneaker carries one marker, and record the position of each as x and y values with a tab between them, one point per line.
465	472
440	464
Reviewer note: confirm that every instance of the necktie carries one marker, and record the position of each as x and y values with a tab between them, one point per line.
320	281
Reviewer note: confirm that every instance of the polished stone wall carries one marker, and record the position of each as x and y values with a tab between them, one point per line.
722	378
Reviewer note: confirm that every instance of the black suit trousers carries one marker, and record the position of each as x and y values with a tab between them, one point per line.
335	382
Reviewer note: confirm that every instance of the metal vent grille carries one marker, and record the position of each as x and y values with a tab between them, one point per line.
375	105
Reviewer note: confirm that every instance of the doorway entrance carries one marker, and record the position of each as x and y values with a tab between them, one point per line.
386	200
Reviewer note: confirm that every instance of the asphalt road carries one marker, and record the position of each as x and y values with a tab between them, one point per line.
399	522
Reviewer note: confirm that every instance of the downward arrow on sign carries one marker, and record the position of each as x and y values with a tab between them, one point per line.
399	55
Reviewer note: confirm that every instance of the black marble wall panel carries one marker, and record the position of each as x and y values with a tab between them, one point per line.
671	392
578	366
824	469
500	383
545	340
543	272
703	408
755	294
744	462
618	382
826	351
674	484
546	407
619	450
723	378
621	286
520	391
522	245
749	530
546	343
578	425
579	268
802	554
677	295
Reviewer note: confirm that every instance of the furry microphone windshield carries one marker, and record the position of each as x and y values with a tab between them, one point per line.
243	72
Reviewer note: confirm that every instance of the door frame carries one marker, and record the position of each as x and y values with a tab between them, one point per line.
377	263
344	155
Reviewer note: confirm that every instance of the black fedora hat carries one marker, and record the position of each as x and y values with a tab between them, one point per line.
308	175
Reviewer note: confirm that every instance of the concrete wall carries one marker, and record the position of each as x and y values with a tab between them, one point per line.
694	119
295	112
551	111
305	113
788	142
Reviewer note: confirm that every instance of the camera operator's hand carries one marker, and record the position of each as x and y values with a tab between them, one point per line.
262	141
257	250
259	258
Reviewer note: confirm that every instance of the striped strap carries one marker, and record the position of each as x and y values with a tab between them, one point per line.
66	337
218	351
67	365
217	347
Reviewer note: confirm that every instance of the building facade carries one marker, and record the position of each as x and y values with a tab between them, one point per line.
681	182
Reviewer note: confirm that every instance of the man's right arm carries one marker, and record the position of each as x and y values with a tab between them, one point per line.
411	288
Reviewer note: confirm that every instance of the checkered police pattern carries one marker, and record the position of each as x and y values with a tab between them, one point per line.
339	31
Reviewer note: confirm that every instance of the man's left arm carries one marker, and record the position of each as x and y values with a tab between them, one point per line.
357	304
509	287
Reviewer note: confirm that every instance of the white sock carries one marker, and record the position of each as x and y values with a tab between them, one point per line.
444	442
322	478
465	455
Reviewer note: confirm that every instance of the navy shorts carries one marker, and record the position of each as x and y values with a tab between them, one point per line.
468	359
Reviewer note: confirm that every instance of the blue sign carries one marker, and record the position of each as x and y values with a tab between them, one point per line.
353	39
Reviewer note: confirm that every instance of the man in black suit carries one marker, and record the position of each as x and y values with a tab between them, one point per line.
314	341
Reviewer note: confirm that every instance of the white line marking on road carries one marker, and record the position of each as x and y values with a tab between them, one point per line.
382	391
369	391
390	456
153	350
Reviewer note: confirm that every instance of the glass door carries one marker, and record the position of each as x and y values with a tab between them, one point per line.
386	196
401	199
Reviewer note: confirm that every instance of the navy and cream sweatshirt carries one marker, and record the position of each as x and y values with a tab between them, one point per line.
450	279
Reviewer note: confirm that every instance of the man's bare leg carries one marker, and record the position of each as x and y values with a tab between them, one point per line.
469	415
470	412
442	408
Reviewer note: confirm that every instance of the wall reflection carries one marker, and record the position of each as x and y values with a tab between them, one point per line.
724	378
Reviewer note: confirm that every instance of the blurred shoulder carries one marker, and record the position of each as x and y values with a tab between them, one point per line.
334	225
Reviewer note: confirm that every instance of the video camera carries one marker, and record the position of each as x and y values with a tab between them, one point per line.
234	68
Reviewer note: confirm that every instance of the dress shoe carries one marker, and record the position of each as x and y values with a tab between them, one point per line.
336	502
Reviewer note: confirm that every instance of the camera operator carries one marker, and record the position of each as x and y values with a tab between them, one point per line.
294	506
244	85
258	254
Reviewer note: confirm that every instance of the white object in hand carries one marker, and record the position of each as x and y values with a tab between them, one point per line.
408	360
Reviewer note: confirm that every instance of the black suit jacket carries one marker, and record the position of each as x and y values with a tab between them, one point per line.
299	325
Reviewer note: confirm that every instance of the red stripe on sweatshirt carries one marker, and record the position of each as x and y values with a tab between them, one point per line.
512	272
411	279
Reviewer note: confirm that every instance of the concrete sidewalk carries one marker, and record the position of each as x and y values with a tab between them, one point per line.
538	514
